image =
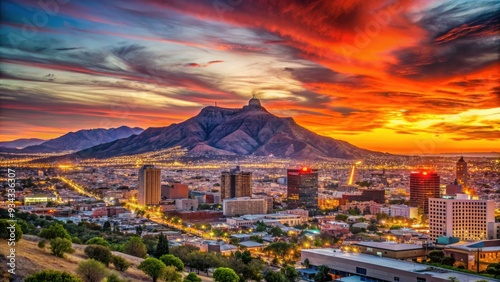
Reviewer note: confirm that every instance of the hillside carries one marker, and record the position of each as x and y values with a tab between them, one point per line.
31	259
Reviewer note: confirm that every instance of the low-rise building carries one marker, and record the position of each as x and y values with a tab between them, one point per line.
186	204
392	250
245	205
469	254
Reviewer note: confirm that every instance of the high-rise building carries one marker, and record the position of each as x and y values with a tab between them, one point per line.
302	188
235	183
461	172
423	186
461	217
149	185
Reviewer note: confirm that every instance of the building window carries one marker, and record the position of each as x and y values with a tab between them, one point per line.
360	270
420	279
396	278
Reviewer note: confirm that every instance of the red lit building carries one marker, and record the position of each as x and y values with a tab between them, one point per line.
423	186
302	188
175	191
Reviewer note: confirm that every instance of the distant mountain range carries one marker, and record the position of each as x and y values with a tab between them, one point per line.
21	143
216	131
76	141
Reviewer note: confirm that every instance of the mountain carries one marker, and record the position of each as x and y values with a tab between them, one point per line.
82	139
251	130
21	143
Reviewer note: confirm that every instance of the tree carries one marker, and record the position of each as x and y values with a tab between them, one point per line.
307	264
41	244
290	273
224	274
120	263
113	277
447	260
52	275
106	226
453	279
54	231
272	276
322	274
91	271
135	247
493	269
436	256
154	268
171	260
162	247
261	226
172	275
5	230
341	217
276	231
98	241
59	246
99	253
192	277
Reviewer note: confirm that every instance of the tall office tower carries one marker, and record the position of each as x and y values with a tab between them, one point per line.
461	217
461	172
423	186
149	185
302	188
235	183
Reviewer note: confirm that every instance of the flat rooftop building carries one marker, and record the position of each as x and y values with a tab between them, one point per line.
373	268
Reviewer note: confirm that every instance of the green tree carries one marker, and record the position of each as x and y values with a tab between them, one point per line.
322	274
98	241
453	279
341	217
276	231
113	277
290	273
99	253
272	276
91	271
436	256
493	269
53	276
59	246
5	230
261	226
171	260
192	277
106	226
54	231
447	260
120	263
135	247
41	244
162	247
307	264
224	274
154	268
172	275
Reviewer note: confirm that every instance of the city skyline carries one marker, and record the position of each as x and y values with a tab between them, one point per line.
422	77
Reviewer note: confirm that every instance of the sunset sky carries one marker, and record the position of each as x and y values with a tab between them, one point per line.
396	76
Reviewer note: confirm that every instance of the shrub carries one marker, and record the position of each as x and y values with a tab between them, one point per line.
52	275
99	253
91	271
120	263
59	246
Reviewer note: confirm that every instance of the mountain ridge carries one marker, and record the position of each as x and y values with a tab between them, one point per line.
215	131
79	140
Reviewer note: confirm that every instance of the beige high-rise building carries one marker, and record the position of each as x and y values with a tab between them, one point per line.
461	217
149	185
235	183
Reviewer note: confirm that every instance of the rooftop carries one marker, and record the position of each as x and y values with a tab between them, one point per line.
391	246
397	264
